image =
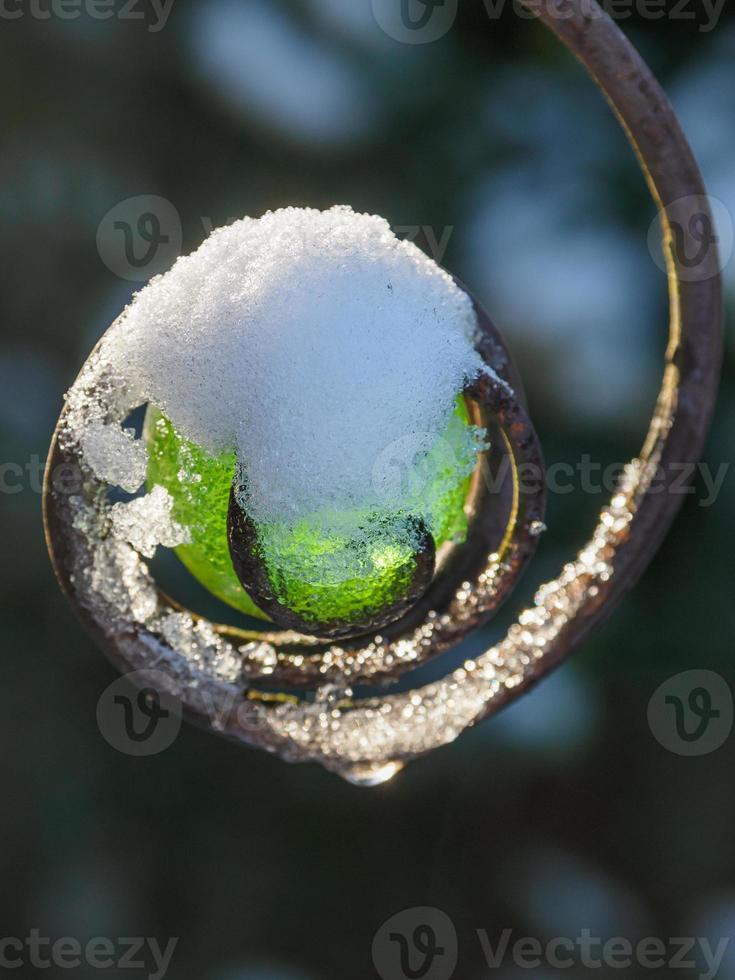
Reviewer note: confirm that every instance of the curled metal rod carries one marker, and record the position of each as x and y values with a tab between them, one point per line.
693	358
368	740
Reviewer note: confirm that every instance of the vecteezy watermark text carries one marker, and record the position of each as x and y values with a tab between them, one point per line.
142	236
705	13
421	944
591	477
154	13
425	21
145	954
139	715
595	952
396	470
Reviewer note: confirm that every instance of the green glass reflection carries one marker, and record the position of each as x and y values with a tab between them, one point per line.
339	574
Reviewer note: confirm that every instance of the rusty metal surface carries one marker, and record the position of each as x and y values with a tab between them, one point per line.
501	515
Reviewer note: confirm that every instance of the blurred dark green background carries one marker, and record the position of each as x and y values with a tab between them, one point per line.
564	812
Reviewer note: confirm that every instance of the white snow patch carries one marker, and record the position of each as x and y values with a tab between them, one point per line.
309	342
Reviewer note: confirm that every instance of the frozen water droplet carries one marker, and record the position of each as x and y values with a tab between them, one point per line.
371	774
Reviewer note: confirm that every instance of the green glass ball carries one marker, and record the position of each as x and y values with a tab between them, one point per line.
321	576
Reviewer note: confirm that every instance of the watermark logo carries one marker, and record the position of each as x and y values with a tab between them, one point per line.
415	21
140	237
416	944
135	717
407	466
701	237
691	713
